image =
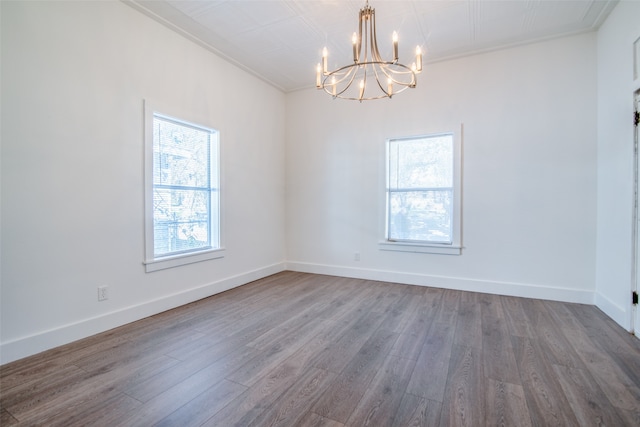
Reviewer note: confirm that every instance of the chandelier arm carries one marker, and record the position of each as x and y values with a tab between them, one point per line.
384	66
360	96
375	53
350	71
359	37
349	74
382	96
363	83
346	88
396	92
391	74
375	73
348	85
365	35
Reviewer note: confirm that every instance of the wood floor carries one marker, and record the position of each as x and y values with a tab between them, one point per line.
297	349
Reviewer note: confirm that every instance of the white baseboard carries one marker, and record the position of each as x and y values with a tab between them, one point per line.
614	311
45	340
457	283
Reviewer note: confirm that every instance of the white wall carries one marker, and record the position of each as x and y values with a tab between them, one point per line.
529	180
74	76
615	161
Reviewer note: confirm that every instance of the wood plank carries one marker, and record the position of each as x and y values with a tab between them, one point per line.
268	359
631	417
498	359
417	411
214	347
609	337
102	409
292	405
164	404
151	387
629	363
430	373
379	404
515	317
410	307
35	397
420	317
343	395
622	391
311	419
546	400
34	368
258	398
297	322
6	419
464	403
506	405
204	406
556	347
469	322
414	332
447	310
339	297
409	345
589	403
79	389
395	311
562	315
339	352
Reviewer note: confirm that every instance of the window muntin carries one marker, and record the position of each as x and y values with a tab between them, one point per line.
420	189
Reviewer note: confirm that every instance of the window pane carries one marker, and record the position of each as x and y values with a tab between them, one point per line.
421	215
178	237
181	154
421	163
185	218
181	220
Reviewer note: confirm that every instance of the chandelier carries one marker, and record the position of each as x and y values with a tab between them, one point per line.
369	76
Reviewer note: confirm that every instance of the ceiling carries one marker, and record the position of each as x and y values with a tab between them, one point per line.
281	41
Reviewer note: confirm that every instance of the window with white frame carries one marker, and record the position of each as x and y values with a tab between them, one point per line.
423	194
182	192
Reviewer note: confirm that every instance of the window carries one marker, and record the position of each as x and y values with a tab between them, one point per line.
422	194
182	192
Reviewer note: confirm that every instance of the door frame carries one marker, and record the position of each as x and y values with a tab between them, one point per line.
635	309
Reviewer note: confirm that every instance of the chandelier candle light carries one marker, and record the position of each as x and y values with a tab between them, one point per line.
376	77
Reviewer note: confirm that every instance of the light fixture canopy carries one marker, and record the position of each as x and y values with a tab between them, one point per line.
374	77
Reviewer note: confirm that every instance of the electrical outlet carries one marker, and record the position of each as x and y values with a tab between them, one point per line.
356	256
103	293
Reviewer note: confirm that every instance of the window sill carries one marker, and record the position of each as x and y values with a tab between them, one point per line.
424	248
182	259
